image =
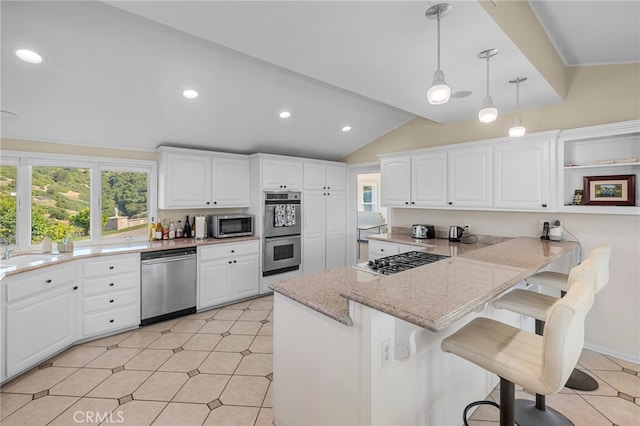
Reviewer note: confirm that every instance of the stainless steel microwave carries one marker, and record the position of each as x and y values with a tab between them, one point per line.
233	225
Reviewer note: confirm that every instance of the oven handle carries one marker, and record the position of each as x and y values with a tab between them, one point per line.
168	259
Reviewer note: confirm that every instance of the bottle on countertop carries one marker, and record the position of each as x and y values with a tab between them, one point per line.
179	230
165	230
152	230
193	227
158	231
187	228
172	230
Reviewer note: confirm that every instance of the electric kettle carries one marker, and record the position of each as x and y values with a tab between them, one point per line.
455	232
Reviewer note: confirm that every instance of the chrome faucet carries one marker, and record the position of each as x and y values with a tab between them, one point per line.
6	253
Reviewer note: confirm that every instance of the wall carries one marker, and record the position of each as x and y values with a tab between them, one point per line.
613	325
597	95
59	148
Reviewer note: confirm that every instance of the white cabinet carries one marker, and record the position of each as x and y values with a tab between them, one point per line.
281	174
190	178
324	230
470	177
227	272
607	150
521	173
319	177
111	294
41	315
415	181
378	249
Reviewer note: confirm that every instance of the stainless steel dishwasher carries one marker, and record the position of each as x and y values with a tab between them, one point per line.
168	287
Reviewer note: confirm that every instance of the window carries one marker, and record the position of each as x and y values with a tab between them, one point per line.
368	197
8	178
93	200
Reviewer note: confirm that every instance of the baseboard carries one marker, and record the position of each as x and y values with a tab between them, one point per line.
605	351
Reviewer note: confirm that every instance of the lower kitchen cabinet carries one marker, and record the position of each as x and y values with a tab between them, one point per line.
111	294
41	316
378	249
227	272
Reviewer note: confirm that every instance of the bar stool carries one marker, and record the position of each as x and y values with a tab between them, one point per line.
535	305
539	363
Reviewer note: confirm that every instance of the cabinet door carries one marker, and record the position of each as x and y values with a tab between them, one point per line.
40	326
271	174
186	181
314	177
313	254
396	181
429	180
336	178
470	183
291	173
336	230
313	205
378	249
230	182
245	276
214	283
522	175
336	253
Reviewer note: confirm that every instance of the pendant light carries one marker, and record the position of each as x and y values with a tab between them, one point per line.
489	112
439	92
517	130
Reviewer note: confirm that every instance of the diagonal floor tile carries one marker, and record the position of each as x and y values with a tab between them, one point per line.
38	380
114	358
232	416
81	382
161	386
265	417
216	326
140	339
170	341
595	361
184	361
221	363
120	384
40	411
256	365
260	304
188	326
202	388
149	359
621	381
87	411
250	328
202	342
245	390
617	410
228	314
254	315
109	340
11	402
625	364
576	409
189	414
78	356
138	413
262	344
234	343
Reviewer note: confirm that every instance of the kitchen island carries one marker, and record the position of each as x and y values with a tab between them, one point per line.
354	348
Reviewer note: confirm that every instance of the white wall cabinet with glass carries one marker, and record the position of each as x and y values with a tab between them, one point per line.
610	152
323	176
227	272
419	180
111	294
41	315
190	178
522	170
323	230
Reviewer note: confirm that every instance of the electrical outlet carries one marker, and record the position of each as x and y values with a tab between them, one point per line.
467	227
552	223
386	352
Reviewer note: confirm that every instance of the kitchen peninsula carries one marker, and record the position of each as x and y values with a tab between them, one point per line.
367	348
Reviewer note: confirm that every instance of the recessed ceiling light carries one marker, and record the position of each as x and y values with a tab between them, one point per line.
285	114
346	128
29	56
190	94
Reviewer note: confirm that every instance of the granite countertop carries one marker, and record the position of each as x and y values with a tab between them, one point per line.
24	262
432	296
438	245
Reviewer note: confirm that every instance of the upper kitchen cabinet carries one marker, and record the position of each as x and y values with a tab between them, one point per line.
324	176
470	176
281	174
611	151
199	179
416	181
522	172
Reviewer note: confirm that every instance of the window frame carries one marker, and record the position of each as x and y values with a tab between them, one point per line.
26	161
374	195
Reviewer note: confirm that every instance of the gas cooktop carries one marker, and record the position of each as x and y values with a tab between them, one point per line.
399	262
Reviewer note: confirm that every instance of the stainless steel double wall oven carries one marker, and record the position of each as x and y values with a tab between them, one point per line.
282	229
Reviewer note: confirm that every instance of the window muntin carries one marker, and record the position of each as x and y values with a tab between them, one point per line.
369	197
125	203
8	202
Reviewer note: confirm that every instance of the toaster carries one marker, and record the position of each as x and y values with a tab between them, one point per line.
423	231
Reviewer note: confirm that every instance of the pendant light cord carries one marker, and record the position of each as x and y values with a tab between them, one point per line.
438	39
518	98
488	75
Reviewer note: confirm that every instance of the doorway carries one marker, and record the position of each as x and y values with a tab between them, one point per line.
371	216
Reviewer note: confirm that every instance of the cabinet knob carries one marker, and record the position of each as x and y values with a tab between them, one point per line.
110	320
234	261
544	205
381	249
328	187
75	287
233	251
110	284
281	186
208	202
110	267
328	193
285	186
215	202
111	301
48	281
229	262
450	203
413	202
406	202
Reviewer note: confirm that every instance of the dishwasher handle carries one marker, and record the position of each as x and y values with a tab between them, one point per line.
168	259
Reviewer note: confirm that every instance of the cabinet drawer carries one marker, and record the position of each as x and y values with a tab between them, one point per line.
111	320
31	283
382	249
228	249
111	265
111	283
110	300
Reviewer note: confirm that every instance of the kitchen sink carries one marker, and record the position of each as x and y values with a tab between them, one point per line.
31	259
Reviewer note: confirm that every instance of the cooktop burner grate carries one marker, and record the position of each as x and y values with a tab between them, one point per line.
400	262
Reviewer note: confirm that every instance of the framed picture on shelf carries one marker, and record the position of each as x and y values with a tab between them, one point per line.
615	190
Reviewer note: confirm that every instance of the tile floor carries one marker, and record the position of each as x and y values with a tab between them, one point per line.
215	368
210	368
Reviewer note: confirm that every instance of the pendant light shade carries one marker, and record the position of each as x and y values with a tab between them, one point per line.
439	92
489	112
517	130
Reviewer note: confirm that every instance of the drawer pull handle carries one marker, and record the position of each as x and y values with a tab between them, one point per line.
111	301
110	284
229	262
233	251
48	281
110	267
110	320
234	261
75	287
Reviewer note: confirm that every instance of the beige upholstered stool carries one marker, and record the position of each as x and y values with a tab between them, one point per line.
541	364
535	305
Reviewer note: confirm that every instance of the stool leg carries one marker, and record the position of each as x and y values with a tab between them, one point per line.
507	396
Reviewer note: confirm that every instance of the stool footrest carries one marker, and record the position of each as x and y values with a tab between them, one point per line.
528	415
